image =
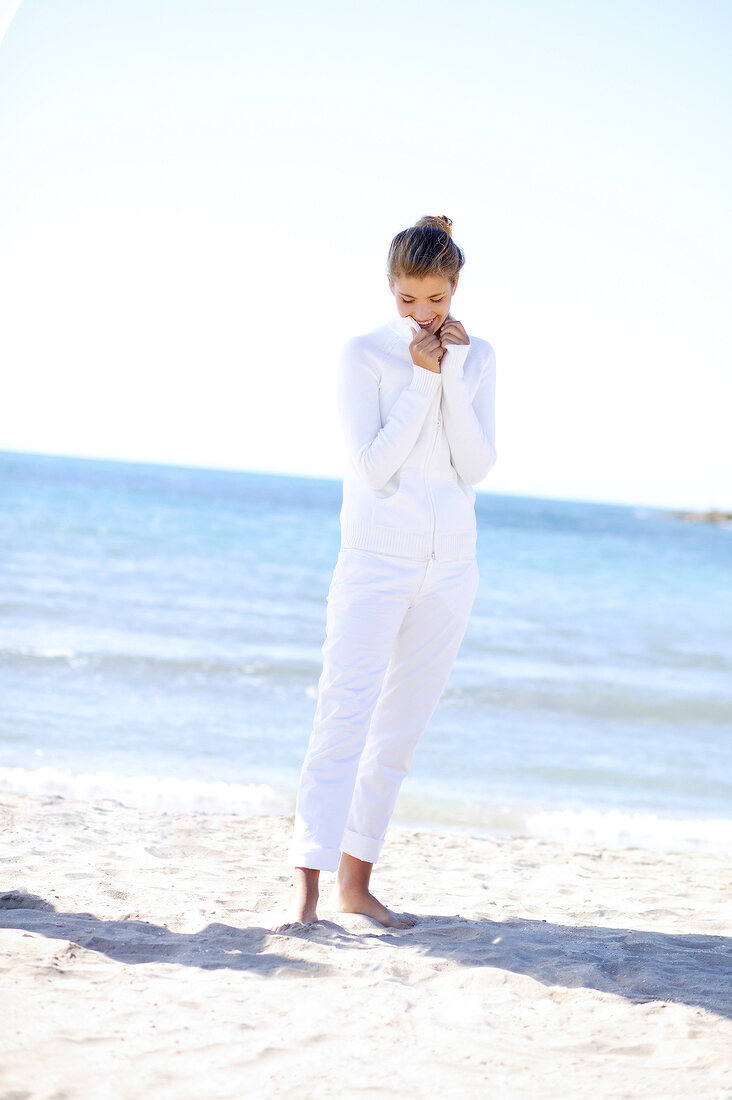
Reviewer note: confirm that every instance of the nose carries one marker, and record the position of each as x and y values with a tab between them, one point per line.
422	313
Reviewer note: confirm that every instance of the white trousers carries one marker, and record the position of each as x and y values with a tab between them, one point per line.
393	630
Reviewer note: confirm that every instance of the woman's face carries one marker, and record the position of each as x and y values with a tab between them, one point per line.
427	300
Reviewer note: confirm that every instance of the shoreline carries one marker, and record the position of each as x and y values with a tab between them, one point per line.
573	824
141	941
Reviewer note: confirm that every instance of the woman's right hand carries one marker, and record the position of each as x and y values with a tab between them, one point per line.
426	351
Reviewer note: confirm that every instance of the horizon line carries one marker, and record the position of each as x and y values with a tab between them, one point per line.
338	479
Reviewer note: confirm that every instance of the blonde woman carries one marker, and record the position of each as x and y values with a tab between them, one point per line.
416	400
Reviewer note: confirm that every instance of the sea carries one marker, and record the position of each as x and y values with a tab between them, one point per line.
160	646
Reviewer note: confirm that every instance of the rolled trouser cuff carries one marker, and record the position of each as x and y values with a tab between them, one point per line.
361	847
317	859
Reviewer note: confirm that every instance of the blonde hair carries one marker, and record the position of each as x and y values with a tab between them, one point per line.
426	248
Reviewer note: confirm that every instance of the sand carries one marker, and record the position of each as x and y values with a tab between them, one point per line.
137	960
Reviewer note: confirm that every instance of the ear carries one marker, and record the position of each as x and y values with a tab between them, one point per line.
455	282
391	283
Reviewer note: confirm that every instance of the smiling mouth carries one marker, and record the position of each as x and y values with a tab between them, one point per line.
424	324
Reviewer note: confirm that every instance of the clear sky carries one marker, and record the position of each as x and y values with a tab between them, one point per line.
196	201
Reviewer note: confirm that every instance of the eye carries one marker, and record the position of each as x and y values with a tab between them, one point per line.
437	300
407	301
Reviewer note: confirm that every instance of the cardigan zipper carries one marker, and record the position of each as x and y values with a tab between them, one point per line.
435	435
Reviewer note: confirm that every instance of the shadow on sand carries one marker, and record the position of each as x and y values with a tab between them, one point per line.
215	947
640	966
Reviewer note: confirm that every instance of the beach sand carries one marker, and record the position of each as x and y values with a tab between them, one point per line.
137	961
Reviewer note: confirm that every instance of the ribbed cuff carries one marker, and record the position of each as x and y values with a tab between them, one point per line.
425	381
453	360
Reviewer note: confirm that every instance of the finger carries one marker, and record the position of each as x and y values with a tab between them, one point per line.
428	343
456	334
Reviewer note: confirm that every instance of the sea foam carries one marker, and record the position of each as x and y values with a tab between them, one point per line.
621	829
149	792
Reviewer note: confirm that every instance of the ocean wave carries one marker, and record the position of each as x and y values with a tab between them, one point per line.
620	829
673	702
293	665
576	828
149	792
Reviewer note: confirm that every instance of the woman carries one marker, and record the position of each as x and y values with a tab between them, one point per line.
416	399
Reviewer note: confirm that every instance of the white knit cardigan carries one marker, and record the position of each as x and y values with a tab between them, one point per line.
417	441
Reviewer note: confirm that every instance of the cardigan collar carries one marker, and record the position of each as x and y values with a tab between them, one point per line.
404	327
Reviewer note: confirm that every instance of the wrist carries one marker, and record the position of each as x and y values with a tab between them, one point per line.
427	364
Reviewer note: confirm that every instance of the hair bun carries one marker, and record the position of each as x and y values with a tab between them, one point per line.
438	221
426	248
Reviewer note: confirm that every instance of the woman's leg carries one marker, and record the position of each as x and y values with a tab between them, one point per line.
367	601
423	657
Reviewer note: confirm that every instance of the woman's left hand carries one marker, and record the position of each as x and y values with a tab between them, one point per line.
452	332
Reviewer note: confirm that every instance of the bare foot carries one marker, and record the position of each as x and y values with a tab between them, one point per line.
303	904
292	926
349	899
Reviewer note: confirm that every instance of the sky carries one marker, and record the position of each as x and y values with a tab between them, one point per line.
196	202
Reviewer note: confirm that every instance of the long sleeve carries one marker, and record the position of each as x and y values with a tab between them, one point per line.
469	422
378	451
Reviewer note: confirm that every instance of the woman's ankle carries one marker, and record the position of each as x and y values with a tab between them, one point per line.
353	875
307	881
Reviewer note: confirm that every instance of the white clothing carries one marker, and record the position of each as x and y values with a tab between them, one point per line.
418	441
404	583
394	627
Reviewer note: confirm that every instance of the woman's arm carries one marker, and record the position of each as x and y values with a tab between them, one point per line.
469	424
378	451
